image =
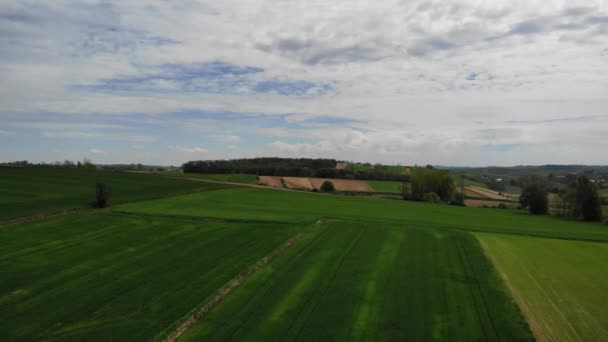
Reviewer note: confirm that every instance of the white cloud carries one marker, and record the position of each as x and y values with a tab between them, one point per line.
227	138
6	133
190	149
97	151
431	78
70	135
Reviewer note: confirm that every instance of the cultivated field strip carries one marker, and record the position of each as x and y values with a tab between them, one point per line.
359	281
262	204
562	286
180	327
111	276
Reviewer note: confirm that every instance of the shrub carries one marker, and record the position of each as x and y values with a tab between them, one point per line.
432	197
502	206
534	197
102	196
328	186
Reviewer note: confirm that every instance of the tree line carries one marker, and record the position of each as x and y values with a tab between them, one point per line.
579	200
287	167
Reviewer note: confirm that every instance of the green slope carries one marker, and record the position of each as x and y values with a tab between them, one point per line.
37	190
306	207
108	276
561	285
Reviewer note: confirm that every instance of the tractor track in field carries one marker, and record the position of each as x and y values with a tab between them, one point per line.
27	219
198	218
483	306
199	313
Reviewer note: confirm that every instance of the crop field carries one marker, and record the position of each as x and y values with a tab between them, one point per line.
386	186
302	207
33	191
362	268
561	285
103	276
357	281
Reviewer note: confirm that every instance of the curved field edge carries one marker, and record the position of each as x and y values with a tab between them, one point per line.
267	204
92	275
559	285
359	281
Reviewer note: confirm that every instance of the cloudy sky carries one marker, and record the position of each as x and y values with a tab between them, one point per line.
426	82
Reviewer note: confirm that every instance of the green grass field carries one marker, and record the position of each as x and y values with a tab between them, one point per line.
37	190
103	276
562	286
376	269
357	281
301	207
233	178
385	186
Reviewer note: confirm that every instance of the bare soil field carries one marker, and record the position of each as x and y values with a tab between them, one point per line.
476	191
314	183
271	181
342	184
297	183
480	203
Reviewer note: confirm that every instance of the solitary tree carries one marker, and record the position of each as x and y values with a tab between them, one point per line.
328	186
587	200
102	196
534	197
406	191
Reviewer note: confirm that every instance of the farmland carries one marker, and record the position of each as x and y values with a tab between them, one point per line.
128	278
229	177
363	269
559	286
33	191
357	281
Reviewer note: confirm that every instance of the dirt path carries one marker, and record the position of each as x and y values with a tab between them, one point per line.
232	285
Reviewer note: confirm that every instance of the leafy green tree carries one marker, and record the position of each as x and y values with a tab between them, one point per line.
102	196
587	204
425	181
406	191
328	186
534	197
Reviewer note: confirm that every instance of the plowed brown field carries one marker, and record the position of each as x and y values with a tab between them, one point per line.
271	181
297	183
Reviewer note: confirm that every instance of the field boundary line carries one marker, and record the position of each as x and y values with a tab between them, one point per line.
198	218
39	217
199	313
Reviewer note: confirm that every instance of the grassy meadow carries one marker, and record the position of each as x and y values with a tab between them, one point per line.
374	269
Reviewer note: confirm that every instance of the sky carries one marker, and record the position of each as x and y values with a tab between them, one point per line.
456	83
